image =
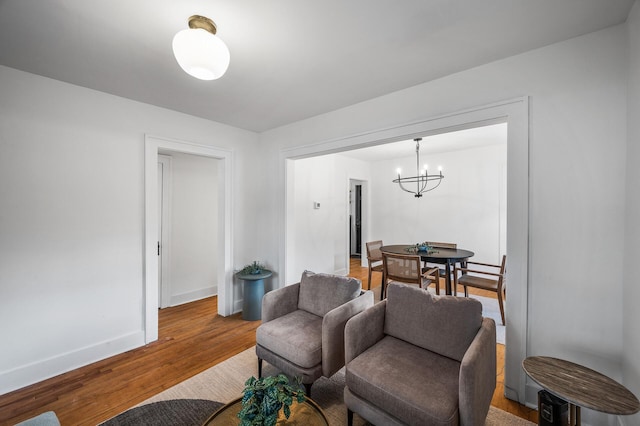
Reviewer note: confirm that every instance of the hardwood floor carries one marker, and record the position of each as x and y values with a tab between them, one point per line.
192	338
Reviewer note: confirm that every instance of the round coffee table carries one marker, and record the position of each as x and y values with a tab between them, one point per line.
306	413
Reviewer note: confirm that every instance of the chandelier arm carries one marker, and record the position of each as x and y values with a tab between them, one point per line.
437	185
399	180
425	182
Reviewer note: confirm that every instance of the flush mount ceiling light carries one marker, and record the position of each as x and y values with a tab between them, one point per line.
199	51
423	181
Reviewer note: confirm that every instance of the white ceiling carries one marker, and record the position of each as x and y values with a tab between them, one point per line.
290	59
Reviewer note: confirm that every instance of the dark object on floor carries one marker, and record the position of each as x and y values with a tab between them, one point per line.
174	412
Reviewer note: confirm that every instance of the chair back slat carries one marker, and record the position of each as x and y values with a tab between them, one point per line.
373	250
442	245
403	268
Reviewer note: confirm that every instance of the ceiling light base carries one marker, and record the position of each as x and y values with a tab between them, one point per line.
198	21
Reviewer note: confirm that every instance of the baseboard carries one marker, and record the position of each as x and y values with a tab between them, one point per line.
192	296
41	370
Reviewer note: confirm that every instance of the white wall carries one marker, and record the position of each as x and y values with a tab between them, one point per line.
578	131
194	233
467	208
72	220
631	289
321	236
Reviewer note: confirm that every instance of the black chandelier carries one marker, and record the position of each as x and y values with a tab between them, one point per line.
424	182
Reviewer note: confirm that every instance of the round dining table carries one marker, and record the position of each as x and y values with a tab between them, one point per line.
443	256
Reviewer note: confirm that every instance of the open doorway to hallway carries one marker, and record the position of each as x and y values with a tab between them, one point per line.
188	204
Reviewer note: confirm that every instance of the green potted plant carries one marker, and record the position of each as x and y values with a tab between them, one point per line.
263	399
253	268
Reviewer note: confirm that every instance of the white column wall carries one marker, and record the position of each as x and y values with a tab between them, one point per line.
72	220
631	290
321	235
577	133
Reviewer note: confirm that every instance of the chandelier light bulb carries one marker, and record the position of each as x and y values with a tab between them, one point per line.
398	170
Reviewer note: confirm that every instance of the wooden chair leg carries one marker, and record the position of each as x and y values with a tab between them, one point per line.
369	281
501	303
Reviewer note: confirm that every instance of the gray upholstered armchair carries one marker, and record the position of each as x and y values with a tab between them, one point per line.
302	330
420	359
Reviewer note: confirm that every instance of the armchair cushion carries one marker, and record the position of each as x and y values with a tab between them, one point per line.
414	385
320	293
296	336
445	325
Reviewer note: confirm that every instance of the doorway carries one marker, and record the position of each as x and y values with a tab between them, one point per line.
355	218
513	112
224	276
188	209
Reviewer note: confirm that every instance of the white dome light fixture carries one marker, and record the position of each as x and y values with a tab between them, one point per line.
199	52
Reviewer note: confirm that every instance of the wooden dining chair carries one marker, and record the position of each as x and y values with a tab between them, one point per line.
443	272
374	259
406	268
490	277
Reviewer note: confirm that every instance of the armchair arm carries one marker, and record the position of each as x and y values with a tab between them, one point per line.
478	375
333	325
364	330
483	264
495	274
279	302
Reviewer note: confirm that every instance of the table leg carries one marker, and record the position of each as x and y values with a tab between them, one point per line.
574	415
447	279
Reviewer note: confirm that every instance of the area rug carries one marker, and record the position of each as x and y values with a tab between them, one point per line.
173	412
225	382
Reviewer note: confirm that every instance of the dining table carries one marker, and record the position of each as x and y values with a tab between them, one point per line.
442	256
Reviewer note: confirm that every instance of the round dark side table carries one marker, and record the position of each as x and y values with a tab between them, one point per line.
253	290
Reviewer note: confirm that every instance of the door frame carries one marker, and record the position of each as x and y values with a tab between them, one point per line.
164	280
153	144
515	112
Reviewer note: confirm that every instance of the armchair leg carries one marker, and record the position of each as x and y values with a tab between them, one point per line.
259	368
349	417
307	389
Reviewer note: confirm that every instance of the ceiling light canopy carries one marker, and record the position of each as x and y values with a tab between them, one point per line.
199	51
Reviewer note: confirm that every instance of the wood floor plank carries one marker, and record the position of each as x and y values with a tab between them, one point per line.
192	338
